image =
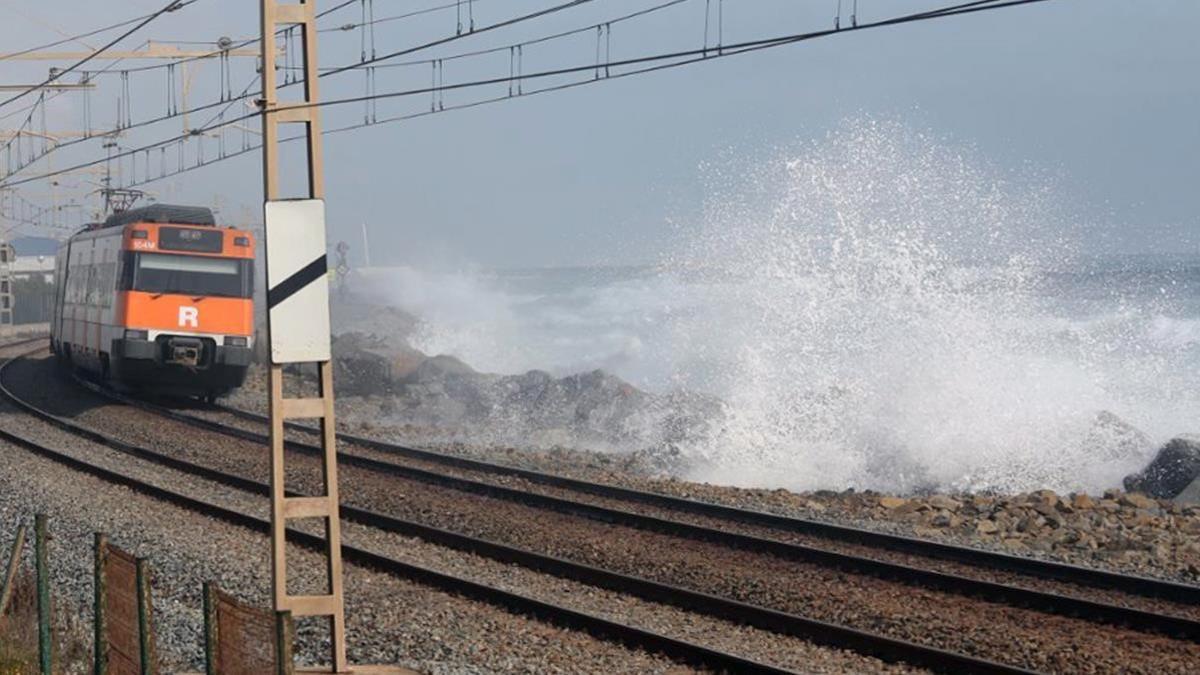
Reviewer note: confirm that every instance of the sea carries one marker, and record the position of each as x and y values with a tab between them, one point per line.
878	309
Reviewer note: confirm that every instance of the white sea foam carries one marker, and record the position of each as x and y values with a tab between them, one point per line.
875	309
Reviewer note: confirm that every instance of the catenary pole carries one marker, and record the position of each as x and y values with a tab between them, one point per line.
298	317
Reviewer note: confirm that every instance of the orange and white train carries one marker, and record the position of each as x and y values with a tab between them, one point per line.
157	298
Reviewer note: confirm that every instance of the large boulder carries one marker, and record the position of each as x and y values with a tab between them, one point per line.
365	364
1112	438
1172	470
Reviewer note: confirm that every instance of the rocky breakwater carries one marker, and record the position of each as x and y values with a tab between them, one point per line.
1174	473
1129	531
383	380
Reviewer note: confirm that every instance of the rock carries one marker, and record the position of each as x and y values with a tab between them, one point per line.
1112	438
1173	469
944	502
987	527
944	519
1190	494
1045	498
1082	502
890	503
1137	501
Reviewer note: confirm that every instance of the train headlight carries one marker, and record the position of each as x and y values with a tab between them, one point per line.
139	234
131	334
241	241
231	341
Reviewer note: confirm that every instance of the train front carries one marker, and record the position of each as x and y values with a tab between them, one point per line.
187	308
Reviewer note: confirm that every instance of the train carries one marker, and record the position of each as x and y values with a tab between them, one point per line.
157	299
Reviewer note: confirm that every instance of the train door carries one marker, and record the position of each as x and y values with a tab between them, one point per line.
62	262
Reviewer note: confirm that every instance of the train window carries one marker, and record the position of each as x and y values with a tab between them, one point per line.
108	274
90	291
193	275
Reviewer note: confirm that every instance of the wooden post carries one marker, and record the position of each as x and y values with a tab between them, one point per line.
210	628
149	660
14	564
305	112
285	637
99	606
41	543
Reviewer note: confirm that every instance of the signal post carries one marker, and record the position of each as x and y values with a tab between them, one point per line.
298	319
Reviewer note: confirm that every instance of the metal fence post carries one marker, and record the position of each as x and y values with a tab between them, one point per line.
98	611
41	543
285	634
14	564
145	619
210	628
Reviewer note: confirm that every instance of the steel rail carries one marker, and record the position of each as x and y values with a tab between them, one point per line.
1051	603
679	650
1046	569
819	632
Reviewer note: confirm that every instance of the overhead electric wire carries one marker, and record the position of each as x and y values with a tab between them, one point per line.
692	56
171	6
437	43
72	38
214	104
156	120
526	43
33	109
236	45
388	19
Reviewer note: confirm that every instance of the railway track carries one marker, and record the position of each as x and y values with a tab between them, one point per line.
1022	565
706	603
757	616
1008	593
883	647
760	616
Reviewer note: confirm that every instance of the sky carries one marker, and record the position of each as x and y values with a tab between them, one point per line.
1098	98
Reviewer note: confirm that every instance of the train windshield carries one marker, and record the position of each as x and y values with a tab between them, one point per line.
190	275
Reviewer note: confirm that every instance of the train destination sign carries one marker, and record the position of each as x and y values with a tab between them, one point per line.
190	239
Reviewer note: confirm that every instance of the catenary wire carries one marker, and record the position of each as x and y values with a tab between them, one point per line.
215	104
172	6
692	56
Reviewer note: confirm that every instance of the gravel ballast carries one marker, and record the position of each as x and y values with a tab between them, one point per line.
380	618
1014	635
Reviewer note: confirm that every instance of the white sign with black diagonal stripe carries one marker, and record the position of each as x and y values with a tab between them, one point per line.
297	283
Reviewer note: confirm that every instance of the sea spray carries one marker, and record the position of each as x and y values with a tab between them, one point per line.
879	308
891	333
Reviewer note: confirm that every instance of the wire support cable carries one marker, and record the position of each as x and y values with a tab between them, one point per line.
172	6
297	80
655	61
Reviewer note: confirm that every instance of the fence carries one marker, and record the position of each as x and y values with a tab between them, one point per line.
240	639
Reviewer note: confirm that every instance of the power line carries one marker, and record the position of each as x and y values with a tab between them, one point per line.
526	43
389	19
437	43
236	45
172	6
677	59
171	115
73	38
246	95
